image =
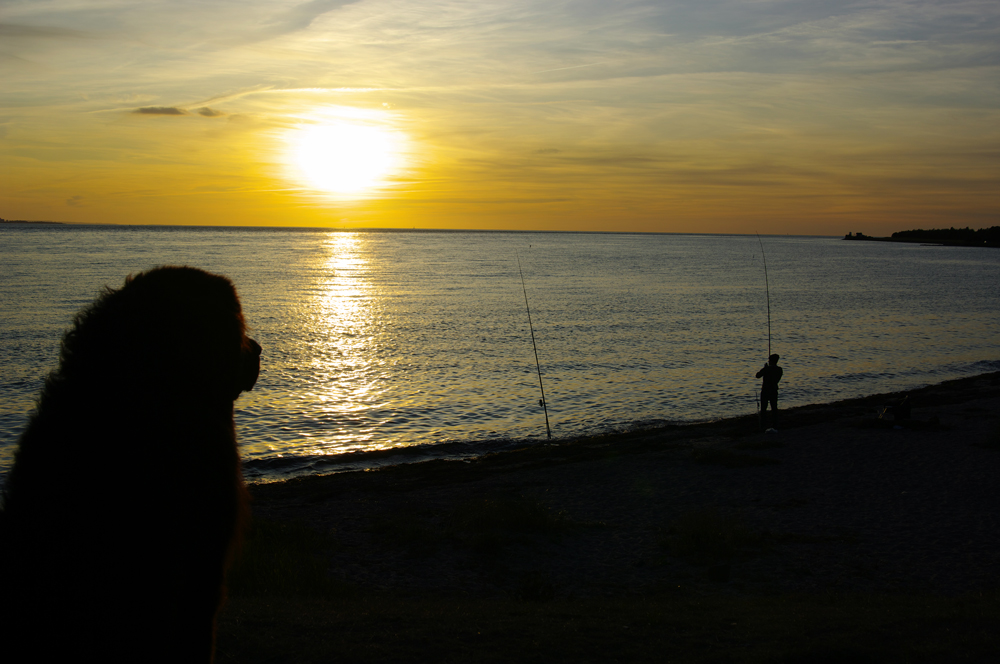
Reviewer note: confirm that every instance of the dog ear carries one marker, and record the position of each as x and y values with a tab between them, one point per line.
249	366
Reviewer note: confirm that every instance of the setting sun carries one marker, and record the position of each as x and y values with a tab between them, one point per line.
343	157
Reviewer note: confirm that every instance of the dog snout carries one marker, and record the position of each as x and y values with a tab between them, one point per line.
251	365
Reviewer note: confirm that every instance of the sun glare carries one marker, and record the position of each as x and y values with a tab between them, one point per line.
344	157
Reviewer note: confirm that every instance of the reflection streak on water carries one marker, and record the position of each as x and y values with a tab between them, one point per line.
344	329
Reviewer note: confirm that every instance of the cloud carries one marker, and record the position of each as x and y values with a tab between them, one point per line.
74	201
160	110
301	16
296	19
8	59
8	30
204	111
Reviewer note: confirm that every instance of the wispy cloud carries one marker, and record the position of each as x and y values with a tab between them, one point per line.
160	110
13	30
203	111
301	16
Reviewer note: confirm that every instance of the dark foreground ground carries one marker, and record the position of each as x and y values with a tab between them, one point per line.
841	538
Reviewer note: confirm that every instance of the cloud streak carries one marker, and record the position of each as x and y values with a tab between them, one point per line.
13	31
160	110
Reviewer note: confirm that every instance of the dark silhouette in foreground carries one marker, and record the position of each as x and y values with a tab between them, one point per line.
126	500
771	373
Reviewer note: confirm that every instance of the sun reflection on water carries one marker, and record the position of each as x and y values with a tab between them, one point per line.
345	335
344	292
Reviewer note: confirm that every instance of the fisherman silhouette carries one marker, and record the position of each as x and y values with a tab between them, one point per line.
771	373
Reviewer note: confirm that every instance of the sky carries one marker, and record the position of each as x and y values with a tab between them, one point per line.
813	117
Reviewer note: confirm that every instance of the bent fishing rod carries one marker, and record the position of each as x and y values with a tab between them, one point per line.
537	365
767	289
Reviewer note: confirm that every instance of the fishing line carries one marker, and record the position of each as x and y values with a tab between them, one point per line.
767	289
537	365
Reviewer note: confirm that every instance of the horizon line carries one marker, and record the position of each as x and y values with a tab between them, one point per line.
393	229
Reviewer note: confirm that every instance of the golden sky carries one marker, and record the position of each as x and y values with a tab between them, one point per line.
793	117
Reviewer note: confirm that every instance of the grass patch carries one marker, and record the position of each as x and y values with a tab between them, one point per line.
721	456
708	537
282	560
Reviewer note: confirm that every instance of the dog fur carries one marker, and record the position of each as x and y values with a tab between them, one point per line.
126	500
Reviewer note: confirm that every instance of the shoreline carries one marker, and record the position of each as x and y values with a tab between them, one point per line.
405	455
837	500
269	470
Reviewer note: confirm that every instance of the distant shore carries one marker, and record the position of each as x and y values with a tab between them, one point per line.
950	237
23	221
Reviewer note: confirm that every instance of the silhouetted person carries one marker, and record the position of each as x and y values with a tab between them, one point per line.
771	373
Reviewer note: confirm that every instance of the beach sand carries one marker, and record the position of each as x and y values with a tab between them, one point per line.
836	501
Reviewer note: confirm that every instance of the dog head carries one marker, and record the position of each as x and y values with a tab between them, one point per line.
173	336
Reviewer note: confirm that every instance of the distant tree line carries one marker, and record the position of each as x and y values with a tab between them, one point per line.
966	236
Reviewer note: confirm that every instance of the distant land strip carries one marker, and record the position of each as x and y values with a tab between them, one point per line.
22	221
950	237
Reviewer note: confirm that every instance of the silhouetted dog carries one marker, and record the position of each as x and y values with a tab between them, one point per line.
126	500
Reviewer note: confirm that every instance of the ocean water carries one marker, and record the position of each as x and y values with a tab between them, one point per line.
397	346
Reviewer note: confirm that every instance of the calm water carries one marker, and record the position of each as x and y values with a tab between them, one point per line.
377	340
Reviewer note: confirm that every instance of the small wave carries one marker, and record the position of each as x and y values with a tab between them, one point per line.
277	468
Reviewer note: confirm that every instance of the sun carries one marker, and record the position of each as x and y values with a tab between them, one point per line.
344	157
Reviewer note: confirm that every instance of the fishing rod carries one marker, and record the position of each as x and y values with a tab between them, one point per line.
767	289
537	365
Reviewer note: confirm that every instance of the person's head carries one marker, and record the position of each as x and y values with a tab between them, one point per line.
773	359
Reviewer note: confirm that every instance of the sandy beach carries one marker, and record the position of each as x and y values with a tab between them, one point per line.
837	500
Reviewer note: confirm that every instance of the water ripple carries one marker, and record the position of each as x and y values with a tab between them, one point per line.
387	346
